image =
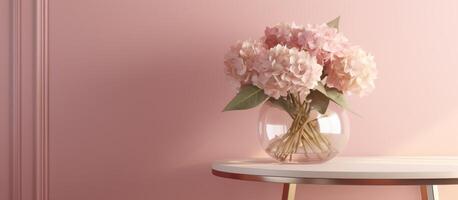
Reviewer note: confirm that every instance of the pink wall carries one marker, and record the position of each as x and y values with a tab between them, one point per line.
136	90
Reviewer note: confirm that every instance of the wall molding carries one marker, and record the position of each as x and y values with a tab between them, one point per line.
29	111
16	115
42	101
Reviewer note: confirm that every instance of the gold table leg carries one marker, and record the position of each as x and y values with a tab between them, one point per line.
429	192
289	191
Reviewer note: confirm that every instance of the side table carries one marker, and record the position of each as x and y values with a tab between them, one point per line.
426	172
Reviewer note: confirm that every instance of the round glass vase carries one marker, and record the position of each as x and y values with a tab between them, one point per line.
303	137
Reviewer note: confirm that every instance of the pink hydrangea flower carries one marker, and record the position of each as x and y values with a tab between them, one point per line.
304	72
283	34
241	57
291	59
353	74
287	71
323	41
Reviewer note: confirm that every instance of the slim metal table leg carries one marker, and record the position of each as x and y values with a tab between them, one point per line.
429	192
289	191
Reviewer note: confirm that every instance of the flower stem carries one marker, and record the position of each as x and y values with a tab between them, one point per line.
303	135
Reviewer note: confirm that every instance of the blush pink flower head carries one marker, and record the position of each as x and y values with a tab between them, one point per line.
323	41
353	74
288	71
290	59
304	72
283	34
241	57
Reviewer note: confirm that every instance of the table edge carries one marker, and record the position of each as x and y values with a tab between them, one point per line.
333	181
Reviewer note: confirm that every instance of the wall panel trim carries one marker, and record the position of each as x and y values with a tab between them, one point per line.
29	111
42	101
16	129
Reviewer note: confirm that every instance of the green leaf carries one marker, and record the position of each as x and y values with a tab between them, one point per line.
248	97
333	94
318	101
334	23
320	87
285	105
336	96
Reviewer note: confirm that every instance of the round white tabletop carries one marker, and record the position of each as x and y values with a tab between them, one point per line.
347	171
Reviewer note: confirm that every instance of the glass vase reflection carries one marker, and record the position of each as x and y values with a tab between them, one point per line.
304	137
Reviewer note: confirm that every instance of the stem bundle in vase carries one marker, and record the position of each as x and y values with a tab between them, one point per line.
302	136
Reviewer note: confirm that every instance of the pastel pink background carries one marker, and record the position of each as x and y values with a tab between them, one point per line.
137	90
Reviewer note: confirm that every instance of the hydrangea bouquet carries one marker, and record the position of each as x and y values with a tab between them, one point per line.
300	69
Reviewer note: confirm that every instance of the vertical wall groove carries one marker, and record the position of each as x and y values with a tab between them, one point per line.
42	102
16	191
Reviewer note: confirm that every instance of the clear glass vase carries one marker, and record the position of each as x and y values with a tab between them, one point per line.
304	137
